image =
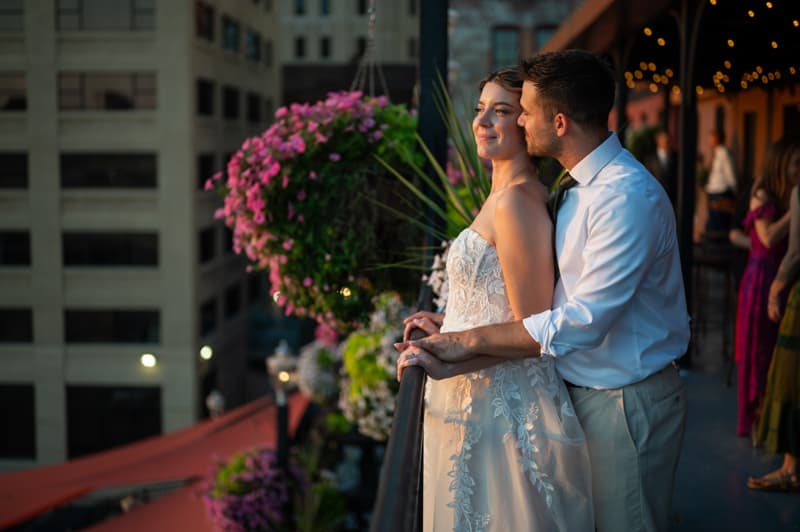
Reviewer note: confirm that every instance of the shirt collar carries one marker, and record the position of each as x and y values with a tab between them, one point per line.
590	166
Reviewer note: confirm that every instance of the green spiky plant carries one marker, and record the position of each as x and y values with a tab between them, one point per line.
453	205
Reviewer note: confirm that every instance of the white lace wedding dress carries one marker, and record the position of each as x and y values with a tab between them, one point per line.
502	449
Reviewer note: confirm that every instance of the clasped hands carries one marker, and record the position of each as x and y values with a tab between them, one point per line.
436	353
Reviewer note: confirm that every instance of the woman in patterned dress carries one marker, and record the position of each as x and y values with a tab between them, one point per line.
502	447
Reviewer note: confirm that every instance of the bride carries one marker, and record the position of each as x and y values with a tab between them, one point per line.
502	448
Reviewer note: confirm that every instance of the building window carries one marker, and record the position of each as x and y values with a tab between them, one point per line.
105	14
269	108
111	326
256	288
543	34
110	249
252	46
412	48
16	325
361	47
13	170
227	243
205	97
208	316
505	47
111	91
12	15
361	7
102	417
233	300
300	47
12	92
18	432
204	20
325	47
108	170
253	108
324	7
299	7
268	52
207	244
230	102
15	248
412	8
206	166
230	34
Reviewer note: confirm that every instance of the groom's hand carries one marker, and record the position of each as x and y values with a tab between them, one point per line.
447	347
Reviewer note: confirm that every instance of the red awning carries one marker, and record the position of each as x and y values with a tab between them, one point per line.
181	455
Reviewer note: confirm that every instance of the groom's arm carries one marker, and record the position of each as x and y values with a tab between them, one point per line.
504	340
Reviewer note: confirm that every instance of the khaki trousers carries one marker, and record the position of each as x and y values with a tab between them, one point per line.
634	435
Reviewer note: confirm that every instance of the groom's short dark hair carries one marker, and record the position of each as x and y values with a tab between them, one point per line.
574	82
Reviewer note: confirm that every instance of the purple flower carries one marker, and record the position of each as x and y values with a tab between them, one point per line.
335	157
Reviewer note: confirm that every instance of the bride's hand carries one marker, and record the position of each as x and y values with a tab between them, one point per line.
447	347
428	322
414	356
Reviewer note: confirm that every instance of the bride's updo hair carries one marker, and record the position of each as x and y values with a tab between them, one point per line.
507	77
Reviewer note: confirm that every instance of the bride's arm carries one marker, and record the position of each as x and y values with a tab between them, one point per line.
436	369
524	240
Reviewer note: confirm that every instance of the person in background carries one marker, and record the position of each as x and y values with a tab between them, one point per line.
720	188
666	167
779	427
767	224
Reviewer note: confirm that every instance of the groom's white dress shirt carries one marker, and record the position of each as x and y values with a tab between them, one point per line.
619	310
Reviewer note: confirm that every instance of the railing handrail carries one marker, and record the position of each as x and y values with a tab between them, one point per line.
398	506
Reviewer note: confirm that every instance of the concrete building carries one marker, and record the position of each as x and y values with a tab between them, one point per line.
323	41
112	114
488	34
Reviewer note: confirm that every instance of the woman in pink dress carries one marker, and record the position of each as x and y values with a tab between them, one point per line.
767	224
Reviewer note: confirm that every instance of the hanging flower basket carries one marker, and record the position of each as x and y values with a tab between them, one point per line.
301	201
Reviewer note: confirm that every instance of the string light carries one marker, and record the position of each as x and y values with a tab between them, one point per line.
727	64
792	71
651	66
759	69
643	65
774	44
769	5
630	84
698	90
751	14
777	75
648	32
721	88
764	79
713	2
669	72
771	76
743	84
796	23
638	74
661	41
653	87
730	43
676	89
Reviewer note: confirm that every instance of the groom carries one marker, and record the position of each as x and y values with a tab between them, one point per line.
619	316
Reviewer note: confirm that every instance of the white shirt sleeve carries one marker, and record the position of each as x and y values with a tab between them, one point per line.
622	240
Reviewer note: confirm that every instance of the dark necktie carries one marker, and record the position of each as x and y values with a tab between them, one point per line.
556	197
557	194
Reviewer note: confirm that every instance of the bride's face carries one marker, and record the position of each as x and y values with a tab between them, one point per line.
497	134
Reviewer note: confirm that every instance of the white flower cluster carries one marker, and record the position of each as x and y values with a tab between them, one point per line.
437	279
316	372
368	383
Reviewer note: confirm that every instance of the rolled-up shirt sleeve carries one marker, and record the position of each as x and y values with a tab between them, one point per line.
621	241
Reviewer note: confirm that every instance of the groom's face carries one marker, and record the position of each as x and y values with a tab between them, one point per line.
540	134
